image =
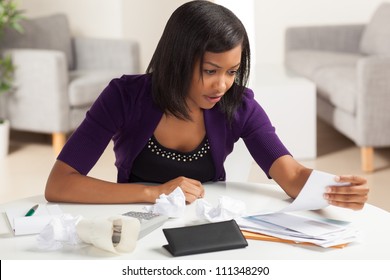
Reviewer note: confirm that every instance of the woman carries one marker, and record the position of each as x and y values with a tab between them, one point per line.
176	124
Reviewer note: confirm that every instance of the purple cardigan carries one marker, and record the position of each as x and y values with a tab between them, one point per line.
125	112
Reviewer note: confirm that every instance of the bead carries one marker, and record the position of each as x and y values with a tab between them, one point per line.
154	148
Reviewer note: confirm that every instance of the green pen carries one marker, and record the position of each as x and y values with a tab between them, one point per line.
31	211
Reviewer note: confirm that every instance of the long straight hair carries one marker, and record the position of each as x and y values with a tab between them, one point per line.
194	28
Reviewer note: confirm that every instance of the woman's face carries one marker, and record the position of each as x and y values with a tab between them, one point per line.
219	71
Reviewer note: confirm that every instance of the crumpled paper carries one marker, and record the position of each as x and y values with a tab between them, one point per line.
59	232
116	234
172	205
227	209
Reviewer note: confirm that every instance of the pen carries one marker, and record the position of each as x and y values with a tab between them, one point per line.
31	211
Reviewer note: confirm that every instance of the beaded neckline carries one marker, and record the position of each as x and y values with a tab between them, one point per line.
155	147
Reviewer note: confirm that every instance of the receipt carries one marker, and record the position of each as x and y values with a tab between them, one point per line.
116	234
311	196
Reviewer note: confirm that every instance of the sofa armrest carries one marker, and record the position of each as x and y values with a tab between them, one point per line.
373	118
101	54
339	38
39	101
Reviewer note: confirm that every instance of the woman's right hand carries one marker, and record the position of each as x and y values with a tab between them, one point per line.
65	184
191	188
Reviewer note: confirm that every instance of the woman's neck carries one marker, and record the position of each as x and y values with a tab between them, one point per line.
181	135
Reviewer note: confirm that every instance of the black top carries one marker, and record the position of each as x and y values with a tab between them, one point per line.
158	164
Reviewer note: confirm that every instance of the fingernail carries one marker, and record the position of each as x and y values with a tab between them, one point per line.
326	196
328	190
337	178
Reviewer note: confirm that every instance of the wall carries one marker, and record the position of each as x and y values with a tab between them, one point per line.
96	18
144	20
247	16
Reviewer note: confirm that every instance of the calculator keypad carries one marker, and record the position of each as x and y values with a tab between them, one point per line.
141	215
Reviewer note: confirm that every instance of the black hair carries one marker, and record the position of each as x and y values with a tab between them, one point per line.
194	28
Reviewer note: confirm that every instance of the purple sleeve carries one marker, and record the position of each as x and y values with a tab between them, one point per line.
89	140
259	135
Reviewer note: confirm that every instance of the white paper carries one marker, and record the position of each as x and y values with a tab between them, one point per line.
299	224
311	197
22	225
227	209
172	205
300	229
59	232
285	225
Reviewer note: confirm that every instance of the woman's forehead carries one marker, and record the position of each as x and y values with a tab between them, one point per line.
229	58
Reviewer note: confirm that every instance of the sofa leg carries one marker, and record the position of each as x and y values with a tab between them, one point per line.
59	140
367	158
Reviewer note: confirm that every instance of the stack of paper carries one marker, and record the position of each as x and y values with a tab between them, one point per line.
289	227
299	229
20	224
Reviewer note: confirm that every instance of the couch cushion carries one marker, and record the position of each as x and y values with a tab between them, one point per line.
306	62
338	85
376	36
85	86
49	32
334	74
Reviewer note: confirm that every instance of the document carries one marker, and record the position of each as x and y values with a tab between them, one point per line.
311	195
285	225
300	229
21	225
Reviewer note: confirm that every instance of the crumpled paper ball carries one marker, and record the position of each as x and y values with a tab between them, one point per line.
227	209
59	232
172	205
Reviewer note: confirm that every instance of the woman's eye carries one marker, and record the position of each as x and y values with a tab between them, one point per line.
233	72
209	72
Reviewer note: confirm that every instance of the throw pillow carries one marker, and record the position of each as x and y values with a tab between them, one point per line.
48	32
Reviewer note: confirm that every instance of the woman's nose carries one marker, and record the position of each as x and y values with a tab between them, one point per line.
220	84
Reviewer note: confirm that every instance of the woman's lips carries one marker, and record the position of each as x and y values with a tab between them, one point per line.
214	99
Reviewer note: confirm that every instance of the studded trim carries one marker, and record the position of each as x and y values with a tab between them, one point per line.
159	150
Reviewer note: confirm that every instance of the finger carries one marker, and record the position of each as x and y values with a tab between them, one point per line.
193	181
360	190
345	198
190	198
350	205
202	193
189	188
351	179
190	194
185	179
197	189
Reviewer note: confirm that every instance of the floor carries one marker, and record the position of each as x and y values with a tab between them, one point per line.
25	170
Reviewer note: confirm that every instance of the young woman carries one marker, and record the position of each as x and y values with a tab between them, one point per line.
176	124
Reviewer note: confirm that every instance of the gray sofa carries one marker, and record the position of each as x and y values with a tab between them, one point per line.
350	65
58	76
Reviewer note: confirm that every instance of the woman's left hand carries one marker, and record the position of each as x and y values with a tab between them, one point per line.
353	196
